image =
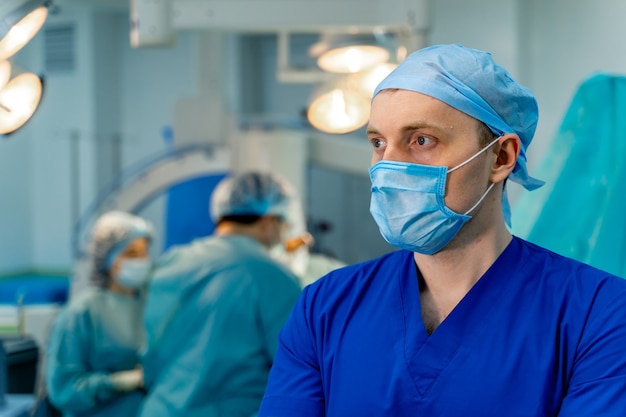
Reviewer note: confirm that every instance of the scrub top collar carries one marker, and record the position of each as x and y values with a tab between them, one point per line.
428	355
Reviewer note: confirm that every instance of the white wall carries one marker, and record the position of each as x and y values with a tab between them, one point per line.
15	203
108	37
153	79
490	25
568	41
60	189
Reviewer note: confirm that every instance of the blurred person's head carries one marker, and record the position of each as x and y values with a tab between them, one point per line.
253	203
119	247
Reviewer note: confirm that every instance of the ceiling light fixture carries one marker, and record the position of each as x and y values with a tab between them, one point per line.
337	108
20	20
367	81
342	104
18	101
350	53
5	73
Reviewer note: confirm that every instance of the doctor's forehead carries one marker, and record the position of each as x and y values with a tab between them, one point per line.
405	110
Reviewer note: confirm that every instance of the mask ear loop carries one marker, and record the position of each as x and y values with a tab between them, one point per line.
475	155
470	160
480	200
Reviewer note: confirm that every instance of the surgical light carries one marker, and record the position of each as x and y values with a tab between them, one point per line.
18	101
338	109
342	104
20	20
367	81
347	53
5	73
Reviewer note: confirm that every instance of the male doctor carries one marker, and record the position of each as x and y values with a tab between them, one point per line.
465	319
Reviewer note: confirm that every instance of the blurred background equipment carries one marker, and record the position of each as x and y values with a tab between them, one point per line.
20	20
19	357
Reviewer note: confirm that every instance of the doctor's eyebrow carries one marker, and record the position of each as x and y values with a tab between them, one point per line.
423	124
409	128
372	131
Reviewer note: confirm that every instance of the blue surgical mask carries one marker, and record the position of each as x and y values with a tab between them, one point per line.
408	204
134	273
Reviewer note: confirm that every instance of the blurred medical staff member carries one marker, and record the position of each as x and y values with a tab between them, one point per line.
215	307
93	360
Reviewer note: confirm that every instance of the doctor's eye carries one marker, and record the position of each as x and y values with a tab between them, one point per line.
377	143
423	140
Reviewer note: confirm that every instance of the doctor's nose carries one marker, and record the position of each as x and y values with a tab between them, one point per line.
395	153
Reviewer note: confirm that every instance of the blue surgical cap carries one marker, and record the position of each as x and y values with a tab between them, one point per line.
251	193
470	81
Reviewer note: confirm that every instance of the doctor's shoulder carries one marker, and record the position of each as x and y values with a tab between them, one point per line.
583	293
182	259
567	270
335	286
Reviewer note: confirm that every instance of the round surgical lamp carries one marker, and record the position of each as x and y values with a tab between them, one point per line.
367	81
18	101
336	108
20	20
349	53
5	73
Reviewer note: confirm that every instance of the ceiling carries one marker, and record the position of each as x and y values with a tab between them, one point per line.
103	4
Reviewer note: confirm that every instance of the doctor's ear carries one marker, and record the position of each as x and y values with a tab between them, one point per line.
507	151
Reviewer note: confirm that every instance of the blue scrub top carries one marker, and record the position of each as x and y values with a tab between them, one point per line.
98	333
537	335
214	310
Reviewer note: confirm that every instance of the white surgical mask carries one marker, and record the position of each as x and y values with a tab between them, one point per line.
134	273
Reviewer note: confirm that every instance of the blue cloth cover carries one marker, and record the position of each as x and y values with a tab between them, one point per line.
580	212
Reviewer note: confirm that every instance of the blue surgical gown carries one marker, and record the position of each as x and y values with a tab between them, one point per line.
213	314
538	335
98	333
